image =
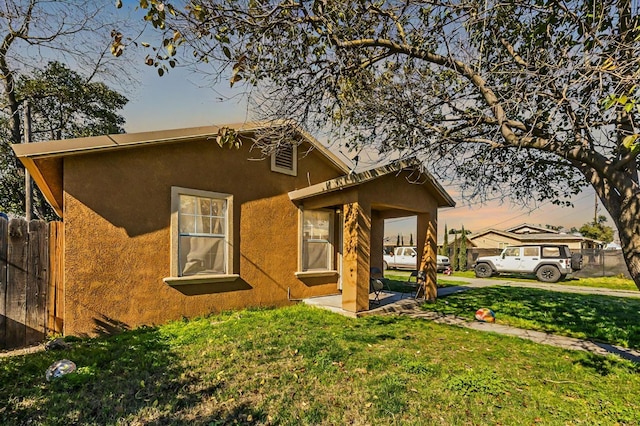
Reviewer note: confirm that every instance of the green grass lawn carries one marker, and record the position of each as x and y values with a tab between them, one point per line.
600	318
305	366
397	280
613	283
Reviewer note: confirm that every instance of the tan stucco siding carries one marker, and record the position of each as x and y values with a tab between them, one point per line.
117	208
398	193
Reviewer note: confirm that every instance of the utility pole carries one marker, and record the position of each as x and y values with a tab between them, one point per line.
595	211
27	175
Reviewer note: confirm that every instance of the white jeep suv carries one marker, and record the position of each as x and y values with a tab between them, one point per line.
549	262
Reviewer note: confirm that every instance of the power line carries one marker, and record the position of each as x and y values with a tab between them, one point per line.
530	211
503	221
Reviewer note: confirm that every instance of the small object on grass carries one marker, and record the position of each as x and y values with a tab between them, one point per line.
59	369
56	344
485	315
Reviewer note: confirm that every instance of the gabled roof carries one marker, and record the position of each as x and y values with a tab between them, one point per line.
550	236
494	231
534	237
536	228
44	159
455	237
354	179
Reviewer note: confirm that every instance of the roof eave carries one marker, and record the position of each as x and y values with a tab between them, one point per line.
65	147
29	154
54	198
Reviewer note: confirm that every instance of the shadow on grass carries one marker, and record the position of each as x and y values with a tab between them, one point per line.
600	318
605	366
133	376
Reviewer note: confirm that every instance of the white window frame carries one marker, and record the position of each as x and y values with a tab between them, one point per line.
331	255
294	166
176	277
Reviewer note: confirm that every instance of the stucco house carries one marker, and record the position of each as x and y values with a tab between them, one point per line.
168	224
530	234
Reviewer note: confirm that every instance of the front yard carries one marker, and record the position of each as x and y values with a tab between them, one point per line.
458	278
300	365
612	283
607	319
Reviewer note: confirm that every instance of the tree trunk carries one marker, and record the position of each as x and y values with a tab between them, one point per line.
627	219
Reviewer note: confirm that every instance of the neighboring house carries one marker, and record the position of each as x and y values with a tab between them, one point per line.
167	224
455	239
530	234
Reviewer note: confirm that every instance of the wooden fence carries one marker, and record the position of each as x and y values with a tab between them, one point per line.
31	302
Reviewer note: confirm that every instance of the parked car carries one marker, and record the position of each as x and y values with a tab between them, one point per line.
407	258
443	263
549	262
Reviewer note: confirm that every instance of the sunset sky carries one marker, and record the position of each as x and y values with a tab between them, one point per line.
181	99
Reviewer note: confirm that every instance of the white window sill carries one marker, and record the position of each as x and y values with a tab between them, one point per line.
314	274
201	279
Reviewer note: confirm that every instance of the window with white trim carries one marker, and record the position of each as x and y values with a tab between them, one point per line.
201	228
317	240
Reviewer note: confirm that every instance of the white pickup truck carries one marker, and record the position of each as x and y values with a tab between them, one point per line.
407	258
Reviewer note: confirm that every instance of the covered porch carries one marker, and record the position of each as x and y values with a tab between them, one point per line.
390	301
362	202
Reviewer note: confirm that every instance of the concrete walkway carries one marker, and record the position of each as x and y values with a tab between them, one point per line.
396	304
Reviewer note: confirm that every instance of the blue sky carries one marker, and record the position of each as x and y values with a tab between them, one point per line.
182	99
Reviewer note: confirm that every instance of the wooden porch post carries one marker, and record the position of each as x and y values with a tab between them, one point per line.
377	239
427	250
356	252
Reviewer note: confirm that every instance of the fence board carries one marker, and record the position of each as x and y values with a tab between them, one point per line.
31	281
36	282
16	298
4	245
55	303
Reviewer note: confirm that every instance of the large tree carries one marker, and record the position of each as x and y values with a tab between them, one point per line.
598	230
531	99
63	104
32	33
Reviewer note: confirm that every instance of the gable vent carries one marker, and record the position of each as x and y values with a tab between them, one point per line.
284	160
284	157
